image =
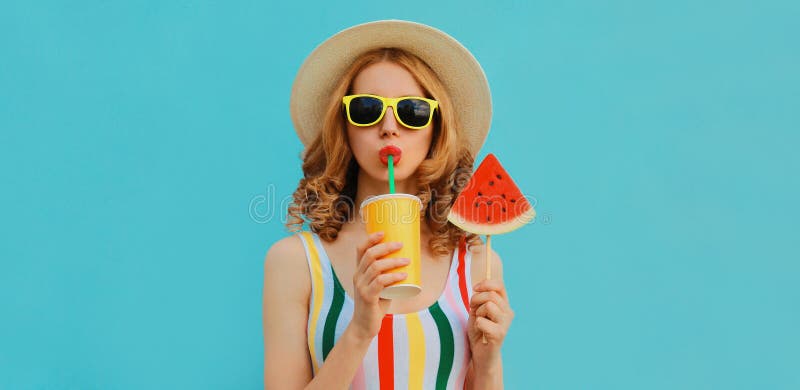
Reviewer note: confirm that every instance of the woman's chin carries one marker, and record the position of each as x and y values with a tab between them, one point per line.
383	177
380	173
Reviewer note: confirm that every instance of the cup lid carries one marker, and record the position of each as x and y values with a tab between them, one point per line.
375	198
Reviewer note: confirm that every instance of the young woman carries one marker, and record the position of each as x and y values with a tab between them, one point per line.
325	325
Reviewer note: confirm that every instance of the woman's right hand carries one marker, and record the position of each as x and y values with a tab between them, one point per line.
369	280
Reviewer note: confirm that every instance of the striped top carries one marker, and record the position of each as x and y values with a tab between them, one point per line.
428	349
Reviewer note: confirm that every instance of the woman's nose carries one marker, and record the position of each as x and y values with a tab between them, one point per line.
389	123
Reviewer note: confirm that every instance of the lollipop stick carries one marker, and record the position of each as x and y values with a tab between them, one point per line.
488	256
391	174
488	266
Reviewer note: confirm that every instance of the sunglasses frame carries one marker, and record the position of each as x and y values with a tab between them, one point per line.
389	102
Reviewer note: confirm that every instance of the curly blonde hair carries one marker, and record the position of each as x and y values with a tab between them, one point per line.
325	196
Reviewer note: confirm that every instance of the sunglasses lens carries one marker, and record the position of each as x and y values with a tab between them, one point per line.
414	112
365	109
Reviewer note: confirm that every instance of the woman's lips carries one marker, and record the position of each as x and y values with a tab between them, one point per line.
390	150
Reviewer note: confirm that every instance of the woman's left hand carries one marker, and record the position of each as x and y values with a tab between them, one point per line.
490	315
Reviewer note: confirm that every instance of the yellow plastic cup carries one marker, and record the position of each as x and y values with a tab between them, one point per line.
398	216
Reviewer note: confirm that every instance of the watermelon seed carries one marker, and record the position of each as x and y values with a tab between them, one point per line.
499	177
491	182
503	195
489	219
479	193
489	203
513	201
504	209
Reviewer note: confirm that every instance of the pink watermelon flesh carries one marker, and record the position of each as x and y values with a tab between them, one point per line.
491	203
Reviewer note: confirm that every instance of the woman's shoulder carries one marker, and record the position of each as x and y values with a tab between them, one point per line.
286	257
289	246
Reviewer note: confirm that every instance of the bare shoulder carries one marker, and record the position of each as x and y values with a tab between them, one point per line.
478	268
285	264
289	246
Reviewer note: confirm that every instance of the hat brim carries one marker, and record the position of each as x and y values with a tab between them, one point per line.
455	66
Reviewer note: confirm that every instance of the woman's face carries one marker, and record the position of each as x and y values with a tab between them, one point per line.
388	79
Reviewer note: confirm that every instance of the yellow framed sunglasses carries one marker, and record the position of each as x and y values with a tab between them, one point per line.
413	112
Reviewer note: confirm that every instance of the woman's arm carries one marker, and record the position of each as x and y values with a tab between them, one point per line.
491	317
287	364
489	379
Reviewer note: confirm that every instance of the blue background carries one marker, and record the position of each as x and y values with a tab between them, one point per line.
146	155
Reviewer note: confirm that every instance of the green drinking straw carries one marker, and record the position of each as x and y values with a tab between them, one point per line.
391	174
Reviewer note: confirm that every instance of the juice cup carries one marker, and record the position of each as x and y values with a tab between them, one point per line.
397	215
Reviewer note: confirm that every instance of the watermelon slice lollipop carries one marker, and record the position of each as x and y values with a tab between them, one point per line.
491	203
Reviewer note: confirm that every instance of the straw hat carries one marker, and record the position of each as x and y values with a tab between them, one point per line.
456	67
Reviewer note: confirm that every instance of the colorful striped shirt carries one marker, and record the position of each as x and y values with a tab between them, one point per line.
428	349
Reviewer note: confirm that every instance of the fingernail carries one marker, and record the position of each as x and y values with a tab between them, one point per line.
398	244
